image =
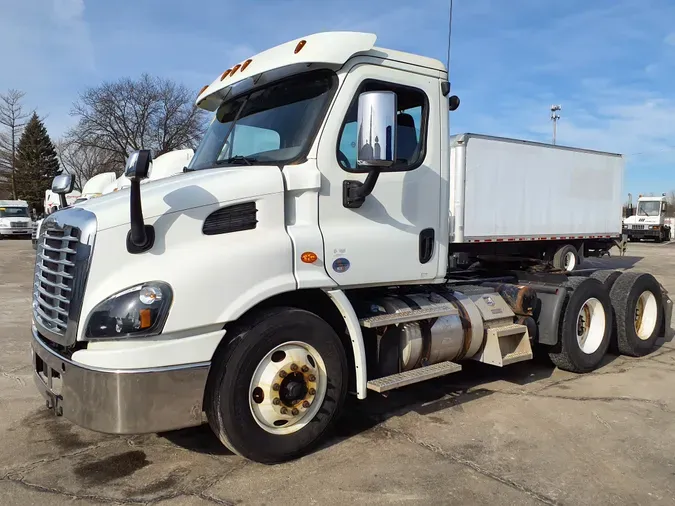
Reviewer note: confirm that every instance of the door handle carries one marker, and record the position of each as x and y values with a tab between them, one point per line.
426	245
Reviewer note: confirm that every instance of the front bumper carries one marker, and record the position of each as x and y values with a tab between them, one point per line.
119	401
642	233
16	231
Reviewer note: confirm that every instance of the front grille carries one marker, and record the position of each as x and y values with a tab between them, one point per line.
18	224
63	255
55	276
638	227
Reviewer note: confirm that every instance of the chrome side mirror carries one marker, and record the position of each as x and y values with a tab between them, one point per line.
376	127
63	184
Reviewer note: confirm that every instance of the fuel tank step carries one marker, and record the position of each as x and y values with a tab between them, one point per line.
412	315
413	376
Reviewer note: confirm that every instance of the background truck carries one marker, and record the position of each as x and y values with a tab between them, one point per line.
307	252
520	198
648	220
15	219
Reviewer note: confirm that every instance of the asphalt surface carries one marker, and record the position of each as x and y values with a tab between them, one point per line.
525	434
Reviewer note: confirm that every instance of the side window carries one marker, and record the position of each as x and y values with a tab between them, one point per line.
248	140
410	127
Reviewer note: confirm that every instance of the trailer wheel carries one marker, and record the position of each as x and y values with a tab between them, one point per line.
607	278
273	395
566	258
638	312
585	329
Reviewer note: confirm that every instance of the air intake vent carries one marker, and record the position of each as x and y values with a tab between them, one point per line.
231	219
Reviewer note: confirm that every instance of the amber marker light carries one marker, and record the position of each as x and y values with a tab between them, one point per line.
309	257
300	45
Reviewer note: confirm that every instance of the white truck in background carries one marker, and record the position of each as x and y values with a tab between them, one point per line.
313	248
648	220
15	219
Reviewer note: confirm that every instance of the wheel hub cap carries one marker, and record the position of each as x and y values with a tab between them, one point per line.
287	388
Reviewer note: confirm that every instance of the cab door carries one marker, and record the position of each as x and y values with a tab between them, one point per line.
393	237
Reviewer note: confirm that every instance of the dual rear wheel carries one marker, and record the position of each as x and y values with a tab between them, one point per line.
621	310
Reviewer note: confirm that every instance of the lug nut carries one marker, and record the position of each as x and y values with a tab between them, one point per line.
312	391
294	367
276	401
305	368
282	374
312	377
276	387
305	404
295	412
284	411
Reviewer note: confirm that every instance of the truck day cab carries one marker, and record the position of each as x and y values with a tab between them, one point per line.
307	252
15	219
648	222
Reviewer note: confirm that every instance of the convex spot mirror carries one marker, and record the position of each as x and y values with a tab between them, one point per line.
138	165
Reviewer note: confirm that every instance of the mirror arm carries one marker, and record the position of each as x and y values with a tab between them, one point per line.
62	201
354	193
141	237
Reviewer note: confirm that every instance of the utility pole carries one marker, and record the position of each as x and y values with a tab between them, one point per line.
555	117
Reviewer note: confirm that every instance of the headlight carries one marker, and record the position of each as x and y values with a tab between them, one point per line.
140	310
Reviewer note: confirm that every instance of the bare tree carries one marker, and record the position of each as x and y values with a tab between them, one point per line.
149	113
84	162
13	118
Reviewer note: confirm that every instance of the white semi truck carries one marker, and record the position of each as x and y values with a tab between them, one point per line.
313	248
15	219
648	222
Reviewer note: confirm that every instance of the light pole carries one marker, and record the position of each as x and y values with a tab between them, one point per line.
555	117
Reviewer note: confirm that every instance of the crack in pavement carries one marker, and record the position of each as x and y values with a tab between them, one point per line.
470	464
114	500
661	405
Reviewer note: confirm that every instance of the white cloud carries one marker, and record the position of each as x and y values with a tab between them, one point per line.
69	10
670	39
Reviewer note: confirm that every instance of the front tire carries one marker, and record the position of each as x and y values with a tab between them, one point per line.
585	329
279	386
638	312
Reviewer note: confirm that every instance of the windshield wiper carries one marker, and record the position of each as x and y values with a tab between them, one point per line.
248	160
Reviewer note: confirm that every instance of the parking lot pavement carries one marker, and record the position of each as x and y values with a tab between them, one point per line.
525	434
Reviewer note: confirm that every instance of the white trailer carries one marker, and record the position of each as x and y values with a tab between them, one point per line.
513	197
306	253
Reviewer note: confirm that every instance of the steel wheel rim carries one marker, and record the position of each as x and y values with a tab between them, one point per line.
570	261
590	326
646	312
276	377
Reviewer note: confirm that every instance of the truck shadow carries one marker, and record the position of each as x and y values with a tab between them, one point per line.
614	262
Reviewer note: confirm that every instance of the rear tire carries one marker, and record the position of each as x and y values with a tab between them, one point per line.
585	328
638	312
276	390
566	258
607	278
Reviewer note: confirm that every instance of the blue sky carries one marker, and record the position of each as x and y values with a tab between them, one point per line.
611	64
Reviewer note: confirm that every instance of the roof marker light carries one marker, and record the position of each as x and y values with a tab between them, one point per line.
300	45
246	64
202	90
225	74
235	68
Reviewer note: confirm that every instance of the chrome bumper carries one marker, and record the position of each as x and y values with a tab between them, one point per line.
120	401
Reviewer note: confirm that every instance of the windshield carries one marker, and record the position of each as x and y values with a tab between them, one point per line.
275	124
14	212
649	208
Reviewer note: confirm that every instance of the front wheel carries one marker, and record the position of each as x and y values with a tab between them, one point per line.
275	394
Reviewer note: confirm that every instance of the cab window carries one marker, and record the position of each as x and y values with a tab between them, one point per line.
411	122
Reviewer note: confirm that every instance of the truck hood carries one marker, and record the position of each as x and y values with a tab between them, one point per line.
187	191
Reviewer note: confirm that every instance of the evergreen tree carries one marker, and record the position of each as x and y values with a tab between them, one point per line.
36	164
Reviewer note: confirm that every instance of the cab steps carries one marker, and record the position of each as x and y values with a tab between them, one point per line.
402	379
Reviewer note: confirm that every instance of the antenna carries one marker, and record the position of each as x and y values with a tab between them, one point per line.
554	118
449	37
